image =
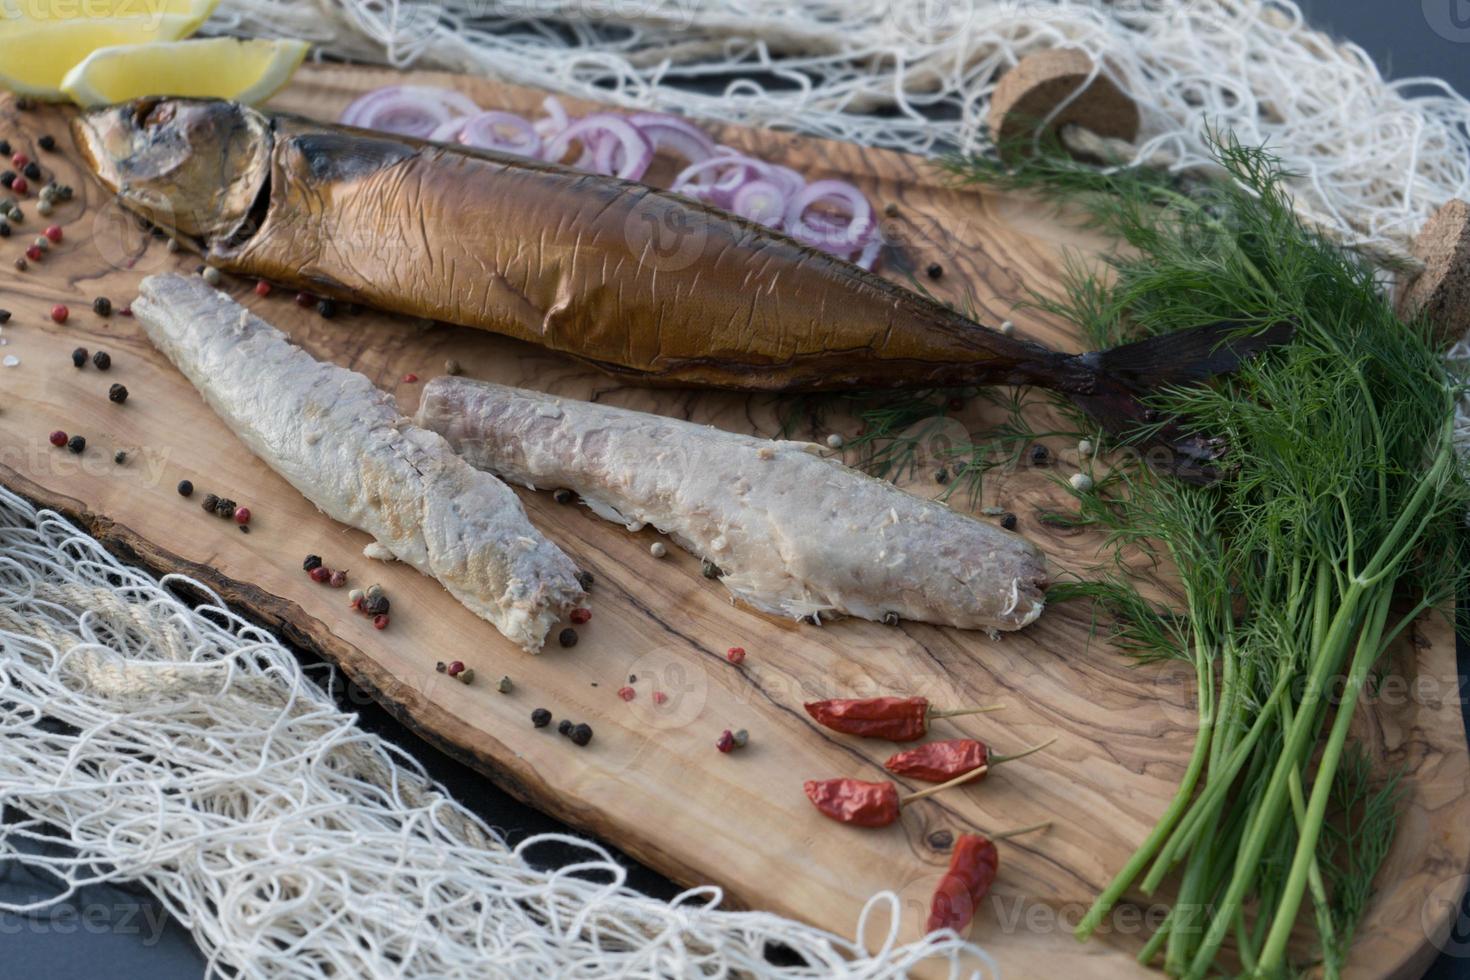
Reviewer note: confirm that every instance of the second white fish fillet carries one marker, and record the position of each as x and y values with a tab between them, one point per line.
793	532
343	443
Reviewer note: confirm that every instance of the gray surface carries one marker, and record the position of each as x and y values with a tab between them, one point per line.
121	935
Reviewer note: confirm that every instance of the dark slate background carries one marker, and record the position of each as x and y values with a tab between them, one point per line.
122	934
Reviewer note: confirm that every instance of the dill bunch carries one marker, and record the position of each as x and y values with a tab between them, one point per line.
1339	519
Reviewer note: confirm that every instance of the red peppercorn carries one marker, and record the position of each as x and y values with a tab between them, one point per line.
455	668
262	288
356	603
242	515
410	378
320	573
20	186
380	621
580	615
659	697
736	655
726	742
337	579
20	160
125	311
627	693
58	438
59	312
305	299
53	233
33	252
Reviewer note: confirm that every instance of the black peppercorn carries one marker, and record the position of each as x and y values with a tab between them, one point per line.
567	637
102	306
46	142
935	270
585	580
209	503
119	457
326	309
7	178
185	488
4	148
890	619
117	393
440	666
4	316
710	570
225	508
21	263
1008	521
4	229
564	727
310	562
1039	455
582	734
79	357
375	605
76	443
941	475
102	360
32	171
563	496
541	717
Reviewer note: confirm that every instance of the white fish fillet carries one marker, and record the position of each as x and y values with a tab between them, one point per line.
794	533
343	443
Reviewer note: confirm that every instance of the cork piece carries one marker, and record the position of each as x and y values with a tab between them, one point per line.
1442	291
1040	82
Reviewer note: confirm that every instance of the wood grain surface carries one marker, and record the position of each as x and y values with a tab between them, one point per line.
652	782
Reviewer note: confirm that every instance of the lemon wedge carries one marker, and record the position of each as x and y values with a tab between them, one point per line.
217	68
41	40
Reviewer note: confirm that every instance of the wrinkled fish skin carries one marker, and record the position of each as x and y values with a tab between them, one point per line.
343	443
793	532
635	280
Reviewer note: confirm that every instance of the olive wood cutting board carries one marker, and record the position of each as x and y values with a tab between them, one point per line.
652	782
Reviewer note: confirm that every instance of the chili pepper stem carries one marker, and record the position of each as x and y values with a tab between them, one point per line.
957	712
996	760
1021	830
975	773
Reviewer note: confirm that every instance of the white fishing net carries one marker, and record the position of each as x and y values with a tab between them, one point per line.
185	750
1375	157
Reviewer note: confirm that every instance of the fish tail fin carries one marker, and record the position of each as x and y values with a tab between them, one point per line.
1124	377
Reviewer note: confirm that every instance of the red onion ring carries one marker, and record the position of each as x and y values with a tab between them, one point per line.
555	119
855	234
621	135
719	190
673	134
448	132
408	110
760	200
502	131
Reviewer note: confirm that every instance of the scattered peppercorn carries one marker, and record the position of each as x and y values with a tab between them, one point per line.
438	665
742	738
374	591
32	171
627	693
305	299
1008	521
451	366
455	666
173	245
375	605
19	159
541	717
102	306
563	496
582	733
466	676
564	727
53	234
710	570
4	316
209	503
580	615
117	394
45	208
891	209
20	263
20	185
380	621
726	742
659	697
102	360
658	549
33	253
941	475
736	655
890	619
242	516
119	457
244	528
4	229
567	637
47	142
42	242
5	148
504	685
1039	455
935	270
326	309
79	357
76	444
7	179
410	378
320	573
16	214
225	508
58	438
185	488
212	275
336	580
59	313
262	288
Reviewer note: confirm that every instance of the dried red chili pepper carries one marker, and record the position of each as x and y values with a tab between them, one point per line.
935	762
867	804
972	870
896	719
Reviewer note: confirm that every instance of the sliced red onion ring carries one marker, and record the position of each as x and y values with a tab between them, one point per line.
449	132
409	110
555	119
719	177
760	200
868	257
676	135
502	131
624	151
824	234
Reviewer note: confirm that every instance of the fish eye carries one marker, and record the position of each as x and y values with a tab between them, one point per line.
152	112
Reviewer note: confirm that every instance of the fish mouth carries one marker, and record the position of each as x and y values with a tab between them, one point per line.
198	168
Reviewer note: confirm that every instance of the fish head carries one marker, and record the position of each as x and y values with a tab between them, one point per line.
195	167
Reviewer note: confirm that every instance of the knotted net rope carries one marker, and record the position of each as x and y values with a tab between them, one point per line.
183	749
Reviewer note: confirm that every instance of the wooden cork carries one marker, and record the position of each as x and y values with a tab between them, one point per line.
1442	291
1029	92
